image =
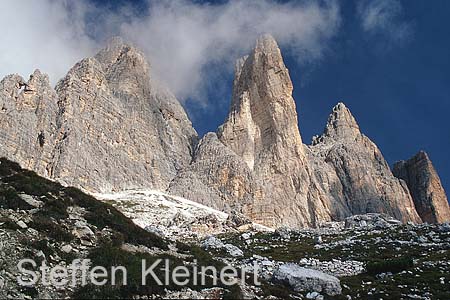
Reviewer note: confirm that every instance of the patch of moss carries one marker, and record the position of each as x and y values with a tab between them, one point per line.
51	229
108	255
30	183
389	265
55	208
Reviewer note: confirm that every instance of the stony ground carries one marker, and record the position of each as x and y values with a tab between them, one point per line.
365	257
374	257
174	217
388	261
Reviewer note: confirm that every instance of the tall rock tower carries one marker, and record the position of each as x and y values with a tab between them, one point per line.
108	127
425	186
262	128
257	163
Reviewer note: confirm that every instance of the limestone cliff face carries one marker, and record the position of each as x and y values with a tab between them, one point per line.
27	120
217	177
262	122
107	127
425	186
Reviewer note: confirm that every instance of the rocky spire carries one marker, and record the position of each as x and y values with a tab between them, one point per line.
263	116
125	67
425	186
361	179
262	129
109	127
340	125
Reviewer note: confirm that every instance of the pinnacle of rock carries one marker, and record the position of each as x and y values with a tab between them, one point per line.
266	43
116	49
341	124
126	68
263	113
262	129
425	186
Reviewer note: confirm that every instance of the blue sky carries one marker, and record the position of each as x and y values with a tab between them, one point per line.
388	60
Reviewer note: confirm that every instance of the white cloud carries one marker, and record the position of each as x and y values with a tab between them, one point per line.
384	17
49	35
183	40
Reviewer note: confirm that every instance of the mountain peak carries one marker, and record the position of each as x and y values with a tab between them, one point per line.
263	116
267	55
263	71
117	52
266	43
341	123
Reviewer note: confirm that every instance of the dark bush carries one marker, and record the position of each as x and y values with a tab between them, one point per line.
9	199
8	167
30	183
389	265
107	255
8	223
51	228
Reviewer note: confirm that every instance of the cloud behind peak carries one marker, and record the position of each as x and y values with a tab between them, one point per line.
188	43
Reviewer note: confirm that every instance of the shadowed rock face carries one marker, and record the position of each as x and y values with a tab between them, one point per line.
425	186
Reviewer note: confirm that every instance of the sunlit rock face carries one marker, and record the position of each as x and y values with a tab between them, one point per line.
28	120
108	126
355	172
271	176
262	129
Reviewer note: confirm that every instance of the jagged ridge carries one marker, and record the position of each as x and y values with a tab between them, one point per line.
108	126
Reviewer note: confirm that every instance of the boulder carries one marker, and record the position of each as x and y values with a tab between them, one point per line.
307	280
